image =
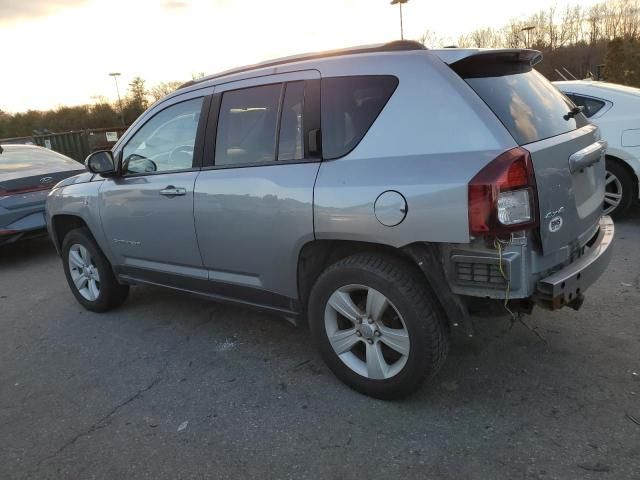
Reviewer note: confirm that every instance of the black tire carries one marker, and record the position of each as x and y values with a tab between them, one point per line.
112	294
406	289
626	183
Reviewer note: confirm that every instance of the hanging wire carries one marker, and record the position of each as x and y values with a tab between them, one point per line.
515	317
498	245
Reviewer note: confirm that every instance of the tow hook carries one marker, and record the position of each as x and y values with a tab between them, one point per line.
577	302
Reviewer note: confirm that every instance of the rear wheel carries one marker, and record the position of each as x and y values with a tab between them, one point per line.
89	273
377	325
619	189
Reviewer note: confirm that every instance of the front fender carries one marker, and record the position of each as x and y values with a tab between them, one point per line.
77	200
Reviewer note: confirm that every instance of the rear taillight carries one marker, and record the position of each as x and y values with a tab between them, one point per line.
502	196
20	191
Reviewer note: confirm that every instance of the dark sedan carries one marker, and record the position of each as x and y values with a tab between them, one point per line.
27	173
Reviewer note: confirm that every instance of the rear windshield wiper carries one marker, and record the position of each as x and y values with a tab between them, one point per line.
573	112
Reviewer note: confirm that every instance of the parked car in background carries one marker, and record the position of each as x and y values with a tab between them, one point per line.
616	110
373	192
27	174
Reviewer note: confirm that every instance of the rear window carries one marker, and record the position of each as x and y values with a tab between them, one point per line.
17	159
528	105
350	105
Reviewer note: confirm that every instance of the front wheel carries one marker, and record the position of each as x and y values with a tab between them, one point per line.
377	325
89	273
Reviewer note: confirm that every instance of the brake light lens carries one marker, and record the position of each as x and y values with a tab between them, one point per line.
502	196
19	191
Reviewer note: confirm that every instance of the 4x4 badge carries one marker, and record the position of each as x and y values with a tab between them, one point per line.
553	213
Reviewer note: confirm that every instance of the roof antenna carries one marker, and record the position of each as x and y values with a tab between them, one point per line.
569	73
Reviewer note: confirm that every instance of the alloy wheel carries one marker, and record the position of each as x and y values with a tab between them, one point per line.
84	272
612	193
367	332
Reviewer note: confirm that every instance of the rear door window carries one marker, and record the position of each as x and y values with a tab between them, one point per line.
350	105
247	125
291	139
528	105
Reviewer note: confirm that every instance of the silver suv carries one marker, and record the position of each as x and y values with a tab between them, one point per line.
375	193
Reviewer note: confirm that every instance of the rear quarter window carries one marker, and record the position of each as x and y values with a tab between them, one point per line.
590	106
527	104
350	105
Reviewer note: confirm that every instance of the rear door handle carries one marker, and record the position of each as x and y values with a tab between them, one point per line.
587	156
171	191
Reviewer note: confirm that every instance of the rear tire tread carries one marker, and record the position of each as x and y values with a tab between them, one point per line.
413	285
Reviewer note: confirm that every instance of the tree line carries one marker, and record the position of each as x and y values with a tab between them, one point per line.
100	114
601	41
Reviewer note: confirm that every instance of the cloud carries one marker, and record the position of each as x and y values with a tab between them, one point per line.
13	10
175	4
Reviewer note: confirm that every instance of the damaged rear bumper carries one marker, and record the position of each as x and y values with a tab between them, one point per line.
566	286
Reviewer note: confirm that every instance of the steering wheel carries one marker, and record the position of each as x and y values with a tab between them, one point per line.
181	150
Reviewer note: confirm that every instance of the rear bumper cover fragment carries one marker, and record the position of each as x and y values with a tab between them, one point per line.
568	284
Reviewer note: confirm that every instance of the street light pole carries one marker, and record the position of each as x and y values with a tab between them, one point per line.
528	35
400	2
115	76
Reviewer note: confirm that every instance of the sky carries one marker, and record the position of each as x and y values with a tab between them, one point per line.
59	52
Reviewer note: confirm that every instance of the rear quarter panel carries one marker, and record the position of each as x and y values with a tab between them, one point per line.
623	115
431	138
16	207
612	125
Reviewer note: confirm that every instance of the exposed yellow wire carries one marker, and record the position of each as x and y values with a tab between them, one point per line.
497	243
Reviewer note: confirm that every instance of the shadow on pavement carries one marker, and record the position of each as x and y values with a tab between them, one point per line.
26	251
632	217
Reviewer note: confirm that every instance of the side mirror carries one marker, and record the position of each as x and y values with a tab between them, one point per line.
101	162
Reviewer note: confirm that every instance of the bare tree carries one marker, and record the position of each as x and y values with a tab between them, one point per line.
574	37
431	39
163	89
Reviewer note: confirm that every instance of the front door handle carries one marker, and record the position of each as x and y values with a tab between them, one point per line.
171	191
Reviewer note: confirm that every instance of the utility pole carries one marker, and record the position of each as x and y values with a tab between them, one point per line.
115	76
400	2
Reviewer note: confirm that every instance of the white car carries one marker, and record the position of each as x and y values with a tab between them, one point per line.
616	110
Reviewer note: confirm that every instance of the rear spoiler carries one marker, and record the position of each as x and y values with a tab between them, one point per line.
474	63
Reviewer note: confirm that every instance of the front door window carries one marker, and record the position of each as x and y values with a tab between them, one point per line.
166	142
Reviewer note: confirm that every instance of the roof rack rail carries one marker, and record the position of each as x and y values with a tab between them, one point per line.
395	46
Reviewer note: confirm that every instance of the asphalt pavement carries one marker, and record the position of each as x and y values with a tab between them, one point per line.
171	386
